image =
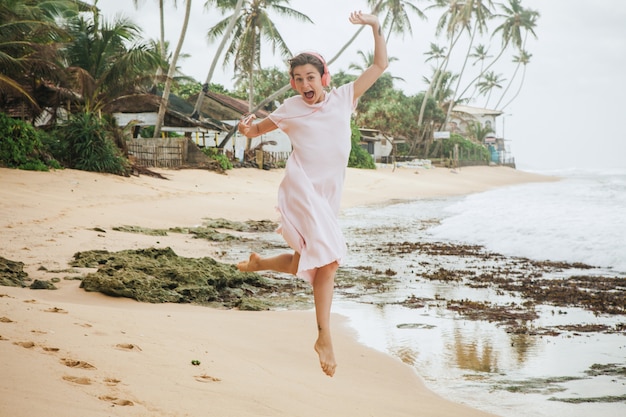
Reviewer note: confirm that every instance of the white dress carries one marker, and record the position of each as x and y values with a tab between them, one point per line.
309	195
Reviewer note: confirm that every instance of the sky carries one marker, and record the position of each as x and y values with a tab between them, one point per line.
567	116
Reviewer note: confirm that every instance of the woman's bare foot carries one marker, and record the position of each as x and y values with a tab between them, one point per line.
251	265
324	348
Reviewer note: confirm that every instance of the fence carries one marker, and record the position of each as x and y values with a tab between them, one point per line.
157	153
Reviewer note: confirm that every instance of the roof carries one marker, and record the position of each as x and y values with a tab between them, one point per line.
224	107
476	111
178	111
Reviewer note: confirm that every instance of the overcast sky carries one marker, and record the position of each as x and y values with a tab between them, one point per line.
569	114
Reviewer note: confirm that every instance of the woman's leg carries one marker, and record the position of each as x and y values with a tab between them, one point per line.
323	288
286	262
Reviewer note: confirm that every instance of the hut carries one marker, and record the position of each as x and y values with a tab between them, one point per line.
140	110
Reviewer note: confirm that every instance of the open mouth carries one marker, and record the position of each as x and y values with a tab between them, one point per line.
309	94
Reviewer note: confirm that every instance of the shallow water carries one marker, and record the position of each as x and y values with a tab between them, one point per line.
483	363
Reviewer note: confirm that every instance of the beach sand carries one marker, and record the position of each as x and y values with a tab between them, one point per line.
71	353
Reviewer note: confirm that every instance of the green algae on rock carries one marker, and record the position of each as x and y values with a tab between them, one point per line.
208	230
12	273
159	276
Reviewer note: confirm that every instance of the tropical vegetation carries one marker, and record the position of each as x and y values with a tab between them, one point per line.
63	65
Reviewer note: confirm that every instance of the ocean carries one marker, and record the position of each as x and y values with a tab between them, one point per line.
565	361
581	218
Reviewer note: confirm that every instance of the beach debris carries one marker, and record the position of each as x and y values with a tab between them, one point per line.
195	362
56	310
12	273
415	326
580	400
611	369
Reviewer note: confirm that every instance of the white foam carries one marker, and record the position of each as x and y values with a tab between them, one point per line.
579	219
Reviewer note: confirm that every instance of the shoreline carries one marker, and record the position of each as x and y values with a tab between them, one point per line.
272	371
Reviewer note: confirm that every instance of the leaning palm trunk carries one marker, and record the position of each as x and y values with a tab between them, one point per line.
484	71
218	53
520	62
170	74
519	89
458	82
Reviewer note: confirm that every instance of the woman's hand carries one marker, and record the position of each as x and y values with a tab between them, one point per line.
245	124
359	18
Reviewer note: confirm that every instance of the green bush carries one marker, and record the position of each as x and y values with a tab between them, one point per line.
85	143
22	146
468	150
359	158
221	159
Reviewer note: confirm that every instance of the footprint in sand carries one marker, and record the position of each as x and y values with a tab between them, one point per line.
3	338
111	381
127	346
72	363
27	345
31	301
6	320
87	325
56	310
50	349
77	380
206	378
116	401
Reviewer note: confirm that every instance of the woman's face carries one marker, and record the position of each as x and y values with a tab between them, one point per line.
308	83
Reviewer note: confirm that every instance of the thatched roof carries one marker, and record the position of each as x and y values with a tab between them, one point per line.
223	107
44	94
178	112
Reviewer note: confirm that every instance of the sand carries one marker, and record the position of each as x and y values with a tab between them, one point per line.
71	353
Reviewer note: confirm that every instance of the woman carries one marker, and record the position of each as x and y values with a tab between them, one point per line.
318	124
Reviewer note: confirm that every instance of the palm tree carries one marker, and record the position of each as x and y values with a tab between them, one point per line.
253	27
444	94
439	54
218	53
397	18
286	87
452	22
171	72
489	81
368	60
517	21
478	132
517	24
162	48
26	61
102	66
522	59
476	13
480	54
